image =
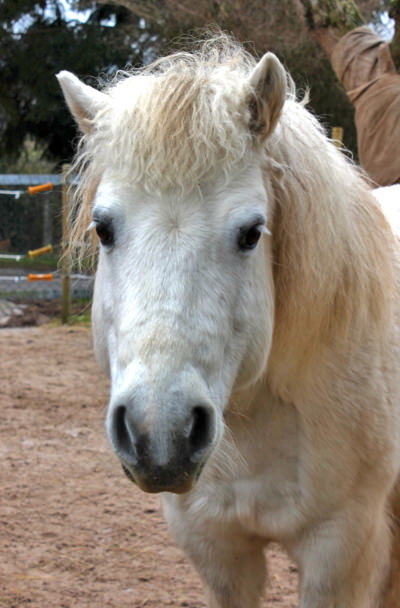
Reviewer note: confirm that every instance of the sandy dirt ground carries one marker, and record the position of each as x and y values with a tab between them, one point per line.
73	530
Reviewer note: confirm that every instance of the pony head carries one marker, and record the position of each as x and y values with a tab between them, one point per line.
184	169
172	161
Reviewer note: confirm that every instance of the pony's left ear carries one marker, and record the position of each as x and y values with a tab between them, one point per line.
268	83
83	101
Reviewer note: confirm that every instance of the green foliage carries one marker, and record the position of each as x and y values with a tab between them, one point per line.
37	41
343	15
32	159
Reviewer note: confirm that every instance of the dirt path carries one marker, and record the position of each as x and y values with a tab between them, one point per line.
73	530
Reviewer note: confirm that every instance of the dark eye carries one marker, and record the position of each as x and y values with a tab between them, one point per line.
105	232
249	237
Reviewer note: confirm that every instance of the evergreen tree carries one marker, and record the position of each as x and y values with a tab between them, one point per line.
38	39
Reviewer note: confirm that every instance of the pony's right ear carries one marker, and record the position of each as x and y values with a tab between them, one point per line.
83	101
268	82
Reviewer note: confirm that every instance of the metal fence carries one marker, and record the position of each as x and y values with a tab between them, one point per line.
29	221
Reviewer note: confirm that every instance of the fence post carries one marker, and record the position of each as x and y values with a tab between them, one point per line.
47	221
66	261
337	137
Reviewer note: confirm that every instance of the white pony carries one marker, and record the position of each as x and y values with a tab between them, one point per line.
247	310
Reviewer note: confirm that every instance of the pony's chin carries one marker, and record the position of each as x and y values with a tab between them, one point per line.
181	487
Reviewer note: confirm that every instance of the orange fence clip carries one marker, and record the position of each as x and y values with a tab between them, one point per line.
35	252
40	188
40	277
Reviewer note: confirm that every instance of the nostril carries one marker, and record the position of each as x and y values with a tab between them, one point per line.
201	430
123	436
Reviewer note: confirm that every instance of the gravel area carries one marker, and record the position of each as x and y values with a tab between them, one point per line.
75	532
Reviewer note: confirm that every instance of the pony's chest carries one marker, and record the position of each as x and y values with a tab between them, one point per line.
261	492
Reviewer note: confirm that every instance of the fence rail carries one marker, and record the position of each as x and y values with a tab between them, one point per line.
28	221
15	179
32	219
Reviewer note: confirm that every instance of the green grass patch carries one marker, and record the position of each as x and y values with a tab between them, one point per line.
47	261
84	319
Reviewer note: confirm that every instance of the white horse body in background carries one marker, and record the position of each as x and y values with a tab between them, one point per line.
389	201
247	310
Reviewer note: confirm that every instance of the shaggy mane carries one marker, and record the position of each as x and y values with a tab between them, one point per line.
333	253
